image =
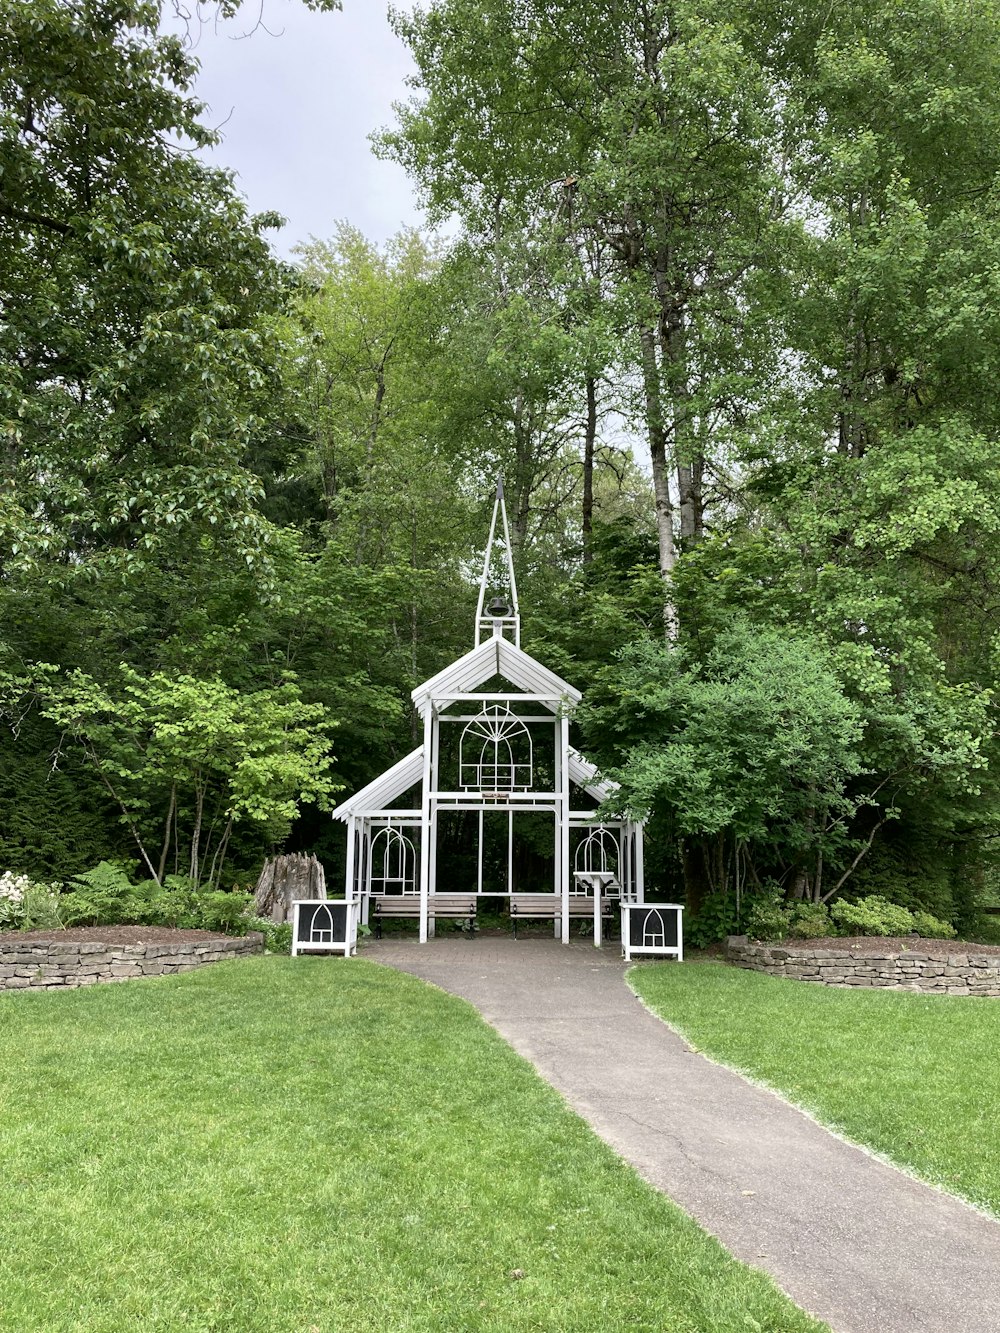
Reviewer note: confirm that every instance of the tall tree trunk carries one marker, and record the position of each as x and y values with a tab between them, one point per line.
661	477
696	882
589	439
522	483
414	627
690	490
199	810
219	859
166	833
688	454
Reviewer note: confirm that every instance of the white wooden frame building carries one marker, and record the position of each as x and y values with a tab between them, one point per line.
512	715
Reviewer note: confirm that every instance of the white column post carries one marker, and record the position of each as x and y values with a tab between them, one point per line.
557	840
364	866
510	851
351	884
432	884
425	822
640	882
563	808
479	857
433	821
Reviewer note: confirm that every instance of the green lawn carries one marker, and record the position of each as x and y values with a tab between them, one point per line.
312	1145
916	1077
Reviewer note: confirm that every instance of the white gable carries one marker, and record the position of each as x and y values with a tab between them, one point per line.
388	787
495	657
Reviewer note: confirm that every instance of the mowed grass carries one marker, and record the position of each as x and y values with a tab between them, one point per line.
916	1077
311	1145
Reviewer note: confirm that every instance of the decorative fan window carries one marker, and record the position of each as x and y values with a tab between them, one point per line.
599	851
495	753
393	863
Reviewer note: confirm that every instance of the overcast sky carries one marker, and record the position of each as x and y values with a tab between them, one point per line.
300	105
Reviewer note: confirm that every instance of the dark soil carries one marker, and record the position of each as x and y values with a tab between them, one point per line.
880	944
115	935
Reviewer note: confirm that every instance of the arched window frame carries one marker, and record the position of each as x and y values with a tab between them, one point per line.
389	843
320	933
604	842
654	936
492	737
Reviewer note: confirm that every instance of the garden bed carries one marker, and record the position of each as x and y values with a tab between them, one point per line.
951	967
86	955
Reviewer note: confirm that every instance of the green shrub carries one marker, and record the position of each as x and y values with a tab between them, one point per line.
106	896
872	916
224	911
765	916
715	920
932	928
42	908
277	934
809	921
770	916
12	889
985	929
27	905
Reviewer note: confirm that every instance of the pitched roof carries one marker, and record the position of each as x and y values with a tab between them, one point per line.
387	787
496	657
583	773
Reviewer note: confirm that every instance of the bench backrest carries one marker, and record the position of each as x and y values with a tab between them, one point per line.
408	904
540	903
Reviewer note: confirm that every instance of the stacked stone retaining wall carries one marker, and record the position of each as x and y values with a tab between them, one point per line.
972	973
45	964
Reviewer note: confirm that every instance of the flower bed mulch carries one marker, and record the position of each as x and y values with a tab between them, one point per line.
114	935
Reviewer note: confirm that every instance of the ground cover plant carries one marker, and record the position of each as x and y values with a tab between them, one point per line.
913	1076
299	1147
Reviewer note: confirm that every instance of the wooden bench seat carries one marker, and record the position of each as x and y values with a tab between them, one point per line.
548	906
455	906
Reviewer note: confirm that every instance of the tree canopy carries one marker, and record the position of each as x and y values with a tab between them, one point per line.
717	297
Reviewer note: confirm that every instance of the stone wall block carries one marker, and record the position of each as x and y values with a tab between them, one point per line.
929	971
56	964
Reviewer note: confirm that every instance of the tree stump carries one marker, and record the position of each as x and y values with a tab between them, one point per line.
284	880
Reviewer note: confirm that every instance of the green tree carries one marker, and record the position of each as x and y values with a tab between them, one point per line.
138	381
186	761
801	219
659	124
133	356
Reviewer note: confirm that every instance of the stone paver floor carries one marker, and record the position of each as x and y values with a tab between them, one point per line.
852	1240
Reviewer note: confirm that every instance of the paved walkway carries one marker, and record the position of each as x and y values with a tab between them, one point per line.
855	1242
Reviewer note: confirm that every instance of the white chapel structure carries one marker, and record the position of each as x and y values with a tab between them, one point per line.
497	752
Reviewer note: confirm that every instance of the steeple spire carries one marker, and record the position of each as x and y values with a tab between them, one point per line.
502	613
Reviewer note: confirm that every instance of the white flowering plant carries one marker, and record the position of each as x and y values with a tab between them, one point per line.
12	890
27	905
